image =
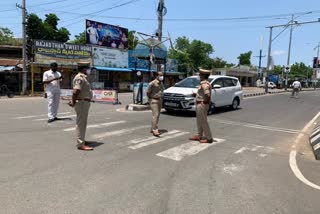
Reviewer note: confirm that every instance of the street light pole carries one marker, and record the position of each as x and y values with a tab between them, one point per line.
289	52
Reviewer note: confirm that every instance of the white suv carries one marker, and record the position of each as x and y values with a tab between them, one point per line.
226	91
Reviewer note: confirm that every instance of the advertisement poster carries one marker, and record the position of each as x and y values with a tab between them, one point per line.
134	62
136	93
172	65
62	53
102	34
109	57
98	95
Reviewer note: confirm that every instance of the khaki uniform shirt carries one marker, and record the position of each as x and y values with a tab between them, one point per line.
155	90
204	92
81	83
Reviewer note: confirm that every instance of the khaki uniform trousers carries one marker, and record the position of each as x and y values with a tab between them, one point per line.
202	121
155	106
82	111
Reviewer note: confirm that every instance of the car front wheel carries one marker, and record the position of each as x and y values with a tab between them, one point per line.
235	103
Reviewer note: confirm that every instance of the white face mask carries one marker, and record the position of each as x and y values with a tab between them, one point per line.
88	71
161	78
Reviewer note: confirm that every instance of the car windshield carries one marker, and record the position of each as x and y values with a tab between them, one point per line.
190	82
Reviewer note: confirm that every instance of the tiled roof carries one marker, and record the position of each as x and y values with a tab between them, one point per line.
10	62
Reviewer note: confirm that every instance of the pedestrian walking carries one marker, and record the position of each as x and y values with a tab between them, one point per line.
296	87
51	79
203	100
81	99
155	95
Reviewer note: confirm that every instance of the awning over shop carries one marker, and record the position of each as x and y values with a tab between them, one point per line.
100	68
143	70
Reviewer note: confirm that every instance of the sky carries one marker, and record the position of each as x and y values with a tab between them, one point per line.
232	27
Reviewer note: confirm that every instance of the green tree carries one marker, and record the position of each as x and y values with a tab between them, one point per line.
191	55
300	71
34	29
6	37
245	58
132	40
278	69
47	29
80	39
199	53
218	63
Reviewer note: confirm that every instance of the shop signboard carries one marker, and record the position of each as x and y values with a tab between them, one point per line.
109	57
61	53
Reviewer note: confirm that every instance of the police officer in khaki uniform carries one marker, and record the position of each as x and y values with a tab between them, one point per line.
203	100
81	99
155	95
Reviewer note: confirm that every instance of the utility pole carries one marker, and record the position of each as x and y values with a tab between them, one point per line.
269	60
289	51
24	42
291	23
317	67
260	57
161	12
160	18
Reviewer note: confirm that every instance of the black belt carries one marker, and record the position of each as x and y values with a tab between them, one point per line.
85	99
202	102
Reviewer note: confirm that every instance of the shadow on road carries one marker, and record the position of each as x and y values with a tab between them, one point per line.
94	144
193	114
64	118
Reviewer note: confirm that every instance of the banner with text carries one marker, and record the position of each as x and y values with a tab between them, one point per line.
61	53
109	57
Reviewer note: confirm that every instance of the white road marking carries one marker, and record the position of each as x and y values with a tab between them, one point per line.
240	150
230	169
148	143
140	140
297	172
263	155
293	156
253	148
101	125
43	119
256	126
40	115
188	149
119	132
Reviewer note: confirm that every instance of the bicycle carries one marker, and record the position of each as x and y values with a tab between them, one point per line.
4	90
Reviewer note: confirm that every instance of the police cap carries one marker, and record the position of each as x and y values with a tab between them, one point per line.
82	65
205	72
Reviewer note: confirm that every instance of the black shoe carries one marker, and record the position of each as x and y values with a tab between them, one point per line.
51	120
57	118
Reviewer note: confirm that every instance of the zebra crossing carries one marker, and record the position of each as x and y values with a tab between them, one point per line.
118	129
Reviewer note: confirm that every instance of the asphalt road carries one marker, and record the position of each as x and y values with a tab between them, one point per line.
246	171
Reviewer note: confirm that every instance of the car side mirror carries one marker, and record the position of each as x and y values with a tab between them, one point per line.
217	86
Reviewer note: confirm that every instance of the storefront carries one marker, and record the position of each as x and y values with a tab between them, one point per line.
65	55
10	67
